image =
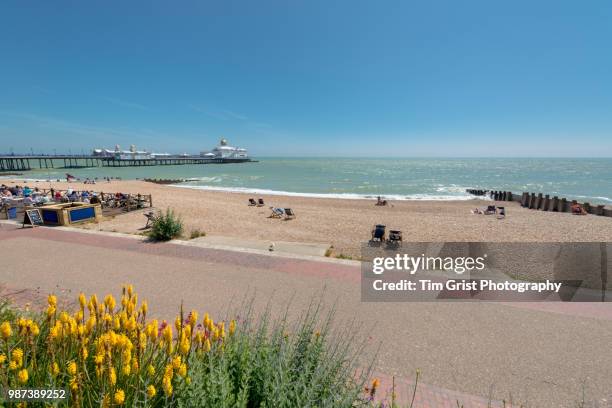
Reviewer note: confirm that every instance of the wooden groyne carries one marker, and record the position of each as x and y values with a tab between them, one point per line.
164	181
543	202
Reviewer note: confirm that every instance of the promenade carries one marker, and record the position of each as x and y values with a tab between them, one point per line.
544	355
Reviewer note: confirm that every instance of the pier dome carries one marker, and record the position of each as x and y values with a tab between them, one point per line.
225	151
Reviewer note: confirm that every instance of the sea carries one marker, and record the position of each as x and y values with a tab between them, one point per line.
583	179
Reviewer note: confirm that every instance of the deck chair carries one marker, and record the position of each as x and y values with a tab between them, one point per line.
490	210
277	212
289	214
378	233
501	213
260	202
395	236
150	218
252	202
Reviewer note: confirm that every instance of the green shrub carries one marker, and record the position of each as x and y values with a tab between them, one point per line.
166	226
272	363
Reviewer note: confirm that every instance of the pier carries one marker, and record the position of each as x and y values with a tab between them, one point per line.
26	162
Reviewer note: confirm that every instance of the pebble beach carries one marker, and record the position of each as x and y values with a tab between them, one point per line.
343	224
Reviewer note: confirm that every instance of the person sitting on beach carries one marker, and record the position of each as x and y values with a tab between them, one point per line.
578	210
58	196
94	199
380	201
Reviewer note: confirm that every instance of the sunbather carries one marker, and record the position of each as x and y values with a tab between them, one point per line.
577	209
380	201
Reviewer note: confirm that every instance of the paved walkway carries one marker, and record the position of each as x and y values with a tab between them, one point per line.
539	354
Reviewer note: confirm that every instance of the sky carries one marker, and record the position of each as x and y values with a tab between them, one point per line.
309	78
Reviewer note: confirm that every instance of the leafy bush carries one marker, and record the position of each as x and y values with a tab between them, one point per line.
166	226
277	364
110	354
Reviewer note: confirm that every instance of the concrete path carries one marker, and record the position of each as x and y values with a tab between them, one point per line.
297	248
542	355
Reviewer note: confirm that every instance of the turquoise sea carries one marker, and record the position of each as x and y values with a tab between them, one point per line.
441	179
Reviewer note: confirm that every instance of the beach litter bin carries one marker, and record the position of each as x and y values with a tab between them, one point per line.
11	213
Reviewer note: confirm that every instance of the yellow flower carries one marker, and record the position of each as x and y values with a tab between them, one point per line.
90	324
207	345
13	365
54	369
130	324
126	370
52	300
151	370
232	327
119	397
144	307
50	311
176	362
142	341
72	368
64	317
193	318
5	330
82	301
167	385
130	290
110	303
35	329
168	372
113	376
184	345
53	332
167	334
23	376
151	331
116	323
17	356
182	371
2	358
74	384
135	365
151	391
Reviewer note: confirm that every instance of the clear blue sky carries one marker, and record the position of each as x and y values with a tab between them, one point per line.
341	78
